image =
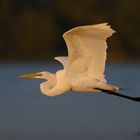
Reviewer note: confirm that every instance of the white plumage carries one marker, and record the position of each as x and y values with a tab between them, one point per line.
84	66
62	59
87	49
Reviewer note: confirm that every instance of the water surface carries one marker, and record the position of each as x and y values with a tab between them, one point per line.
26	114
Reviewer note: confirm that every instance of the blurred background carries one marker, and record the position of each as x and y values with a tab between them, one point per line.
32	29
31	36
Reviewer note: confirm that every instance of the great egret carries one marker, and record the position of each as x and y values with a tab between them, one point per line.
84	67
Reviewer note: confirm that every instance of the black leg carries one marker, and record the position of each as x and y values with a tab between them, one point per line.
137	99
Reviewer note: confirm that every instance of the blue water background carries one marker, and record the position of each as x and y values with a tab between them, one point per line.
26	114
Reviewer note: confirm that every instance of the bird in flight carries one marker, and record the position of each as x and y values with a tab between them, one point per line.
84	66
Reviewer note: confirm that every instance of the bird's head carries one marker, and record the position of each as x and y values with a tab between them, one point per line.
50	81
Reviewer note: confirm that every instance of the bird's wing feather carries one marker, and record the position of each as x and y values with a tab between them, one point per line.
87	49
62	60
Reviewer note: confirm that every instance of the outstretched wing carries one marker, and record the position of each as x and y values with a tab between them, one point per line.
87	49
62	60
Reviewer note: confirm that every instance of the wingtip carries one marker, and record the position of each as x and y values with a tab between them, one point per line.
106	26
103	26
56	58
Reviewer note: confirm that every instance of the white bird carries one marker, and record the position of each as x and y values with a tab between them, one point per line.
84	67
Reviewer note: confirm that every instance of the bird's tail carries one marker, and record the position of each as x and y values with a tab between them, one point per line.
109	87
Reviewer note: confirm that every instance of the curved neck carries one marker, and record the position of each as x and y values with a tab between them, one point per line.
52	92
61	86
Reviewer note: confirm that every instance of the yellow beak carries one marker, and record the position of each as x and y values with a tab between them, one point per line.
33	75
